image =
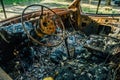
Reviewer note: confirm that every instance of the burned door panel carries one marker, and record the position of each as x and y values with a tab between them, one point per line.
100	24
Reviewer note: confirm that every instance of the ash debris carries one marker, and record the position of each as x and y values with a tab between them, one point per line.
79	57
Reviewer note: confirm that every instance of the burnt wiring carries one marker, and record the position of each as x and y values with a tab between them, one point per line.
115	73
3	37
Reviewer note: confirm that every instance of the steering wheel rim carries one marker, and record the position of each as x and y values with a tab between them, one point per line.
35	40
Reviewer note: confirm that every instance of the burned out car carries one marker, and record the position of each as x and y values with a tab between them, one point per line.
74	43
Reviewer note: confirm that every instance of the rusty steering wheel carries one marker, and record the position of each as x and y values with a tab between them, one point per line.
49	29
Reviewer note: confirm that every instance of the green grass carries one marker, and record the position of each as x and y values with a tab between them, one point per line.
1	10
93	10
88	10
64	0
21	2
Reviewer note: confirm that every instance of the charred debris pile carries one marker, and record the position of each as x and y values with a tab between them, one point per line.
79	57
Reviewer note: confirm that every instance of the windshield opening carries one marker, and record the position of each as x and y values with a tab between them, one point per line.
106	6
